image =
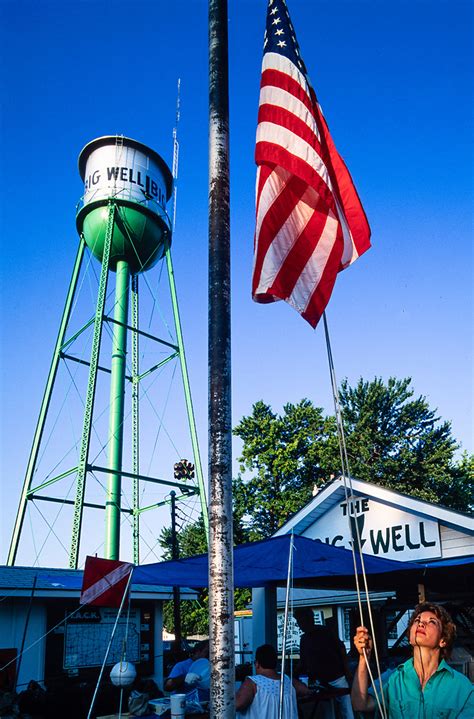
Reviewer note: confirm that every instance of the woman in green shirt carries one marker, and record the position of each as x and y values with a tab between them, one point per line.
424	687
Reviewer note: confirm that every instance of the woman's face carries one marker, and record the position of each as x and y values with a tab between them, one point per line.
426	631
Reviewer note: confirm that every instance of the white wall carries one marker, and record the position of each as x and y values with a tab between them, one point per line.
13	615
455	543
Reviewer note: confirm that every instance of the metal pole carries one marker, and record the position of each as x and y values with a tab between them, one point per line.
221	576
45	404
187	395
175	555
117	395
135	422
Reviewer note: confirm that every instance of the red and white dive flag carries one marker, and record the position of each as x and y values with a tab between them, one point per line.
310	222
104	582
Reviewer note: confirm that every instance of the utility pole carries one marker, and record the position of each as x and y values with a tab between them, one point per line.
175	555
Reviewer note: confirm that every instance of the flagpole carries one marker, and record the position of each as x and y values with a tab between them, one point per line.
125	593
221	579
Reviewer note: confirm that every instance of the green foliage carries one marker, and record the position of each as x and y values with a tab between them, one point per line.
194	613
392	439
283	454
396	440
459	492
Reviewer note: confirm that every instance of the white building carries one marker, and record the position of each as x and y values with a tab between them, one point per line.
390	525
40	620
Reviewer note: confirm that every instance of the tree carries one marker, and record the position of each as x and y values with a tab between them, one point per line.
195	612
283	454
396	440
460	493
392	439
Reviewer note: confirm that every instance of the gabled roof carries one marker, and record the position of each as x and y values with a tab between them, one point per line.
334	493
19	581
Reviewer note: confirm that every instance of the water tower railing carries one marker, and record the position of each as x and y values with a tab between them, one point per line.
149	203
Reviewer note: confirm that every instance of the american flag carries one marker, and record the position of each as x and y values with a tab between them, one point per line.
310	223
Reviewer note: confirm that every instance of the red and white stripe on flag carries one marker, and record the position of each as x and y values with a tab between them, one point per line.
104	582
310	223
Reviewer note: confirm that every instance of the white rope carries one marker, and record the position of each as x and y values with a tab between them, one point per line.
285	625
124	654
109	645
346	475
382	710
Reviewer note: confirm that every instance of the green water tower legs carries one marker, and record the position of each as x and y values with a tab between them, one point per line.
82	468
122	220
187	394
32	462
117	396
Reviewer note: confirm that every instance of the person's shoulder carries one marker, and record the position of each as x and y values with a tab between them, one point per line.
458	677
252	681
180	668
250	678
399	673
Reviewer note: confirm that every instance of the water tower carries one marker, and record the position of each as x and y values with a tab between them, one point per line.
122	220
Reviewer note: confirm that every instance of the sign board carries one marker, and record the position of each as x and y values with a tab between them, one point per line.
385	531
87	634
125	173
293	632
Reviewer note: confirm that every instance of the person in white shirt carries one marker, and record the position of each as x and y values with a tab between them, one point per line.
258	697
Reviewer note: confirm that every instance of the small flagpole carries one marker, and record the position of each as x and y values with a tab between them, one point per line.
110	644
285	625
221	573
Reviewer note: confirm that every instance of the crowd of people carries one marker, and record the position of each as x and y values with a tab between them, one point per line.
423	687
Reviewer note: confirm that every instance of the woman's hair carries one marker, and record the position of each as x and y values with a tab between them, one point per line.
266	656
448	628
304	617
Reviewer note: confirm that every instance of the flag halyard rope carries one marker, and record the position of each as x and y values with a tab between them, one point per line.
356	541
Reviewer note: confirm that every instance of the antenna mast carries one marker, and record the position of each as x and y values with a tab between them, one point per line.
179	336
176	153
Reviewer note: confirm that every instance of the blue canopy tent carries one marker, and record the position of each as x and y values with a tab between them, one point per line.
265	563
315	564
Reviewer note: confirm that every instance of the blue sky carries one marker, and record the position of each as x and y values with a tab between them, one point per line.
395	84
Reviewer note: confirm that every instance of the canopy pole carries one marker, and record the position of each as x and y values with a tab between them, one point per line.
221	575
285	625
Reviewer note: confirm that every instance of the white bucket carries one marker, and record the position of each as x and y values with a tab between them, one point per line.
178	705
